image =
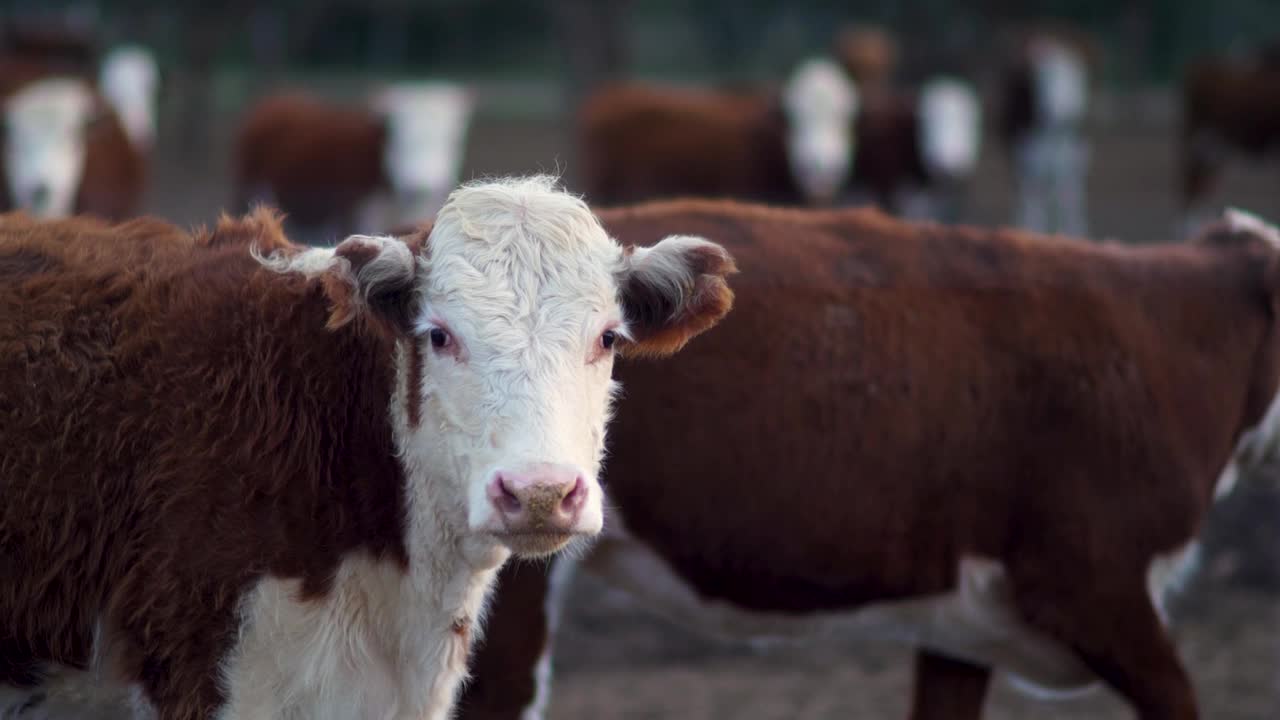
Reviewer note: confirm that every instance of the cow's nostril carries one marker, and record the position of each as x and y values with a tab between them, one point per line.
574	499
506	500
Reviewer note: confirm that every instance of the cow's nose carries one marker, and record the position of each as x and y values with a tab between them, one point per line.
542	498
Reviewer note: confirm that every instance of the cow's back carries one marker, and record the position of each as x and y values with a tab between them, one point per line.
315	159
640	143
916	393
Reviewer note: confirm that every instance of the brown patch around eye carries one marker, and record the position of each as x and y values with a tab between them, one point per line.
413	391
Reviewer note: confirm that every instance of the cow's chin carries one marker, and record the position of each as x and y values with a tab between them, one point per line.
537	544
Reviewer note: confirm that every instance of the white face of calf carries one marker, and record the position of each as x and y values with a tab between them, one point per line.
821	104
516	307
950	128
130	80
425	142
1061	83
46	127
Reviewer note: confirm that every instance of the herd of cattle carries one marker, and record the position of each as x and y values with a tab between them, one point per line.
245	477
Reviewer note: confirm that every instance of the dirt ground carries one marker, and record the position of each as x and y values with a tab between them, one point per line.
616	661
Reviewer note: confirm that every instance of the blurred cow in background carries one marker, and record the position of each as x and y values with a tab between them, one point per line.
795	146
67	144
1046	101
917	151
869	53
333	168
1229	107
66	151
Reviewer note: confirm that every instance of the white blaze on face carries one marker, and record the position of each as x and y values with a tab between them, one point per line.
820	102
426	139
1061	84
521	290
950	127
129	80
46	123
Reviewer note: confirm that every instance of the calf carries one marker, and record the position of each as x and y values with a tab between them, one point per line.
916	152
246	479
65	150
641	142
324	163
1046	99
996	446
1228	106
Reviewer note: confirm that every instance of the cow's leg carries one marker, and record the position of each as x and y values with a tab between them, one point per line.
1118	634
1072	190
947	689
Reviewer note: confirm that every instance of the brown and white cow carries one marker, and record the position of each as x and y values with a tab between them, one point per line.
995	446
1046	103
326	165
917	151
641	142
1229	107
65	150
245	479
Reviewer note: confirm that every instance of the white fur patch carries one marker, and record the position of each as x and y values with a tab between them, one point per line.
45	144
820	102
130	79
381	644
426	139
1244	221
1168	574
1061	84
950	127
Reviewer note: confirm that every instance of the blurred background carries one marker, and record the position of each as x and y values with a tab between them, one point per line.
528	65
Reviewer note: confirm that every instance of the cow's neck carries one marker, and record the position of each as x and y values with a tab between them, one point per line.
450	570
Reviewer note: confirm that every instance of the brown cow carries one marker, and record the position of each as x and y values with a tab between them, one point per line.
244	479
643	142
1227	105
996	445
324	163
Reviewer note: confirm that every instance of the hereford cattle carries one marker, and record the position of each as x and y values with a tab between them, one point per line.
641	142
996	446
1228	107
1046	100
917	151
324	164
246	479
66	151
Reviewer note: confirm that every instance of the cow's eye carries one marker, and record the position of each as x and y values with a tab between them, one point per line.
440	338
607	339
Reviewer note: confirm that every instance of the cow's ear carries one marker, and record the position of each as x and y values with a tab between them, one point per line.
372	280
672	291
